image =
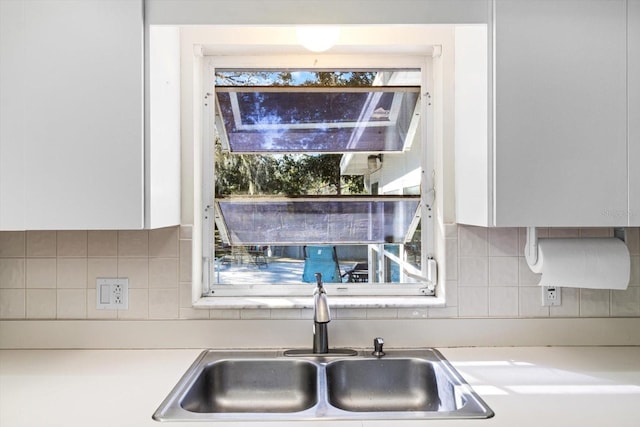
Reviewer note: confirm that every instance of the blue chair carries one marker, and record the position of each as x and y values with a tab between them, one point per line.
321	259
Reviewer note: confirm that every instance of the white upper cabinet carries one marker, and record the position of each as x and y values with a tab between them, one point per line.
71	114
555	149
560	112
634	112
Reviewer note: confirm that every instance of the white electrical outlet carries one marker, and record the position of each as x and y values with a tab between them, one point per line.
112	293
551	295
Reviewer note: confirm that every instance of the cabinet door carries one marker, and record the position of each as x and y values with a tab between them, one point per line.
560	106
634	112
74	145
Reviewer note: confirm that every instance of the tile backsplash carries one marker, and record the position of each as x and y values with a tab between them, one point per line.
492	278
52	275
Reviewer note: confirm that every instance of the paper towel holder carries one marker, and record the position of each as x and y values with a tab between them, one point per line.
531	245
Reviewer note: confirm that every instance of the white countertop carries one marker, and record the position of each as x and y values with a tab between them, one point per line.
525	386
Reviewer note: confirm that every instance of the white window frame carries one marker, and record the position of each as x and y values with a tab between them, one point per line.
295	296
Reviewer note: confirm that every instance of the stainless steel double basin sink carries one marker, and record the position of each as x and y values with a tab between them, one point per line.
267	385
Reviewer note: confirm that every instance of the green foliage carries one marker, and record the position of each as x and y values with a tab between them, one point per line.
285	175
253	78
340	78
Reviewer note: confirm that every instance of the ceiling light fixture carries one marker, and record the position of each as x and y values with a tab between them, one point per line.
317	38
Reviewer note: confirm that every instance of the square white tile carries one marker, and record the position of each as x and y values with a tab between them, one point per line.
163	303
41	303
72	303
503	271
503	301
473	271
12	304
163	242
626	303
163	272
71	243
503	242
12	273
133	243
12	244
472	241
473	301
41	273
102	243
594	302
71	273
41	244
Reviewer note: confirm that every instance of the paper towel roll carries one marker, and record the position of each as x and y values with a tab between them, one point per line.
595	263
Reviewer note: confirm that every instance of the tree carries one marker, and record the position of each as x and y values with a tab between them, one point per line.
340	78
288	175
325	170
253	78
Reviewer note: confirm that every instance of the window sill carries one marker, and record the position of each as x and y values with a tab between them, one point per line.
307	302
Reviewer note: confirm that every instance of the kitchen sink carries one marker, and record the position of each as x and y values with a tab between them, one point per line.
373	385
253	386
276	385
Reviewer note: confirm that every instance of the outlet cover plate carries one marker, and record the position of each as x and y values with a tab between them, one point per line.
112	293
551	296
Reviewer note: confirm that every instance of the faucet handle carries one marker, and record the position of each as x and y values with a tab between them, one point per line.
377	347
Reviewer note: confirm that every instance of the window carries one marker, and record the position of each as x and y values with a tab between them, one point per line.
316	171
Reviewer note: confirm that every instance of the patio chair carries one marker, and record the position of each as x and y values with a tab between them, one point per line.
358	273
321	259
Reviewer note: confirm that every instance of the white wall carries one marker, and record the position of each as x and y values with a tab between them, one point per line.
274	12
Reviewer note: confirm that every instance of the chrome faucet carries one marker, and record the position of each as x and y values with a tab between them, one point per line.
321	318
